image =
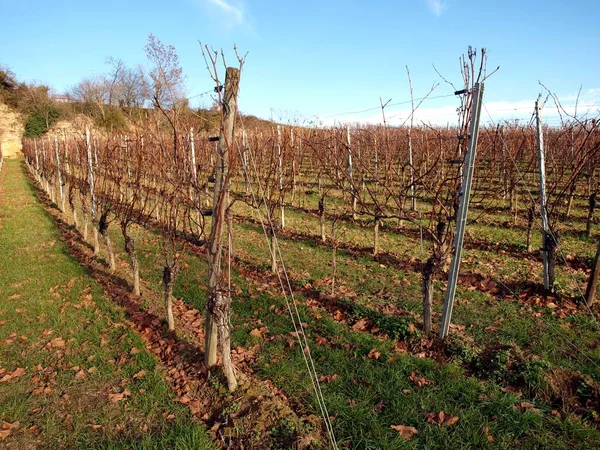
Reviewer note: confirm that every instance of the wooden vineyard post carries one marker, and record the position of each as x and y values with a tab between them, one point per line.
280	172
592	287
294	153
88	146
219	295
195	194
542	173
37	159
350	170
245	160
59	176
461	217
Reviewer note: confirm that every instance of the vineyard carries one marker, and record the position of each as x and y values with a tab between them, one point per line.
293	282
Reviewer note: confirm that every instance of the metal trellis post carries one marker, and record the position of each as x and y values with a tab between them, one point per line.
461	217
542	169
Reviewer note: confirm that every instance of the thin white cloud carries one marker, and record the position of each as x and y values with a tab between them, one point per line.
235	12
493	113
437	7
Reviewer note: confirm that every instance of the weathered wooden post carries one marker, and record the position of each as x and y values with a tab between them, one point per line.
219	295
463	207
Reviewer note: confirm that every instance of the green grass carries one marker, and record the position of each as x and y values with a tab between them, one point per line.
364	382
74	346
370	395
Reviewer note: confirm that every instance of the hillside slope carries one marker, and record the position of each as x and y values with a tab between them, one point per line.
11	132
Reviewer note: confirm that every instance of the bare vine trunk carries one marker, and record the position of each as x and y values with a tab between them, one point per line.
590	216
273	244
135	266
72	206
222	312
103	229
218	312
428	275
376	236
96	241
592	287
551	242
322	218
530	218
333	258
85	225
570	200
168	280
430	269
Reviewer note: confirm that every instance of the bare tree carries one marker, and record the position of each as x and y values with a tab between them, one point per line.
92	91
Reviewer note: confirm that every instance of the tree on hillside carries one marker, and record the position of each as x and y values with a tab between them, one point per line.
165	80
36	101
92	92
8	80
164	85
125	84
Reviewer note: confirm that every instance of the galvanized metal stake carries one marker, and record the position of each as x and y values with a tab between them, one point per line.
461	217
542	167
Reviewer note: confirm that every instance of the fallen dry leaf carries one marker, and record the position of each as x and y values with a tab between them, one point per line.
141	374
405	432
486	432
374	354
419	381
259	332
361	325
114	398
328	378
442	418
14	374
4	434
56	342
10	426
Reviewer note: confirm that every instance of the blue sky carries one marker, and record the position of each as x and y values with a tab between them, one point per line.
310	59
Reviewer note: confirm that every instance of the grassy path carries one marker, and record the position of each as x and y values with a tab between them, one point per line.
72	374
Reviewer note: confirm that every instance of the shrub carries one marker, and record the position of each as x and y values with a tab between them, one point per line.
112	119
38	123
